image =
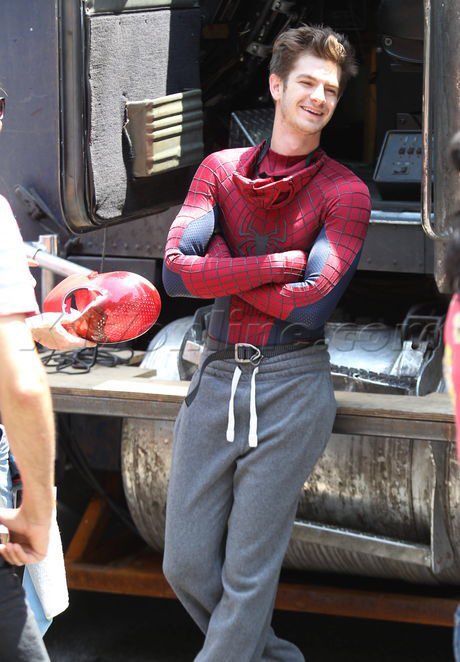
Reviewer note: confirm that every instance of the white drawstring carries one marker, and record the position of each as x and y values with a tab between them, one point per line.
252	408
231	405
253	412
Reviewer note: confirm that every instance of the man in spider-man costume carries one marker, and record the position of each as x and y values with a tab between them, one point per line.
274	234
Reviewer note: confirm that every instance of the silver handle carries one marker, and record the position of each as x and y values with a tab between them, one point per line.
364	543
50	244
57	265
426	132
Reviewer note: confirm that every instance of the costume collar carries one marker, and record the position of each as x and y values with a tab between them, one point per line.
275	190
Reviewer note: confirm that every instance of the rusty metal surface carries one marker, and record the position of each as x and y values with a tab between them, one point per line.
380	486
376	486
366	482
146	462
384	487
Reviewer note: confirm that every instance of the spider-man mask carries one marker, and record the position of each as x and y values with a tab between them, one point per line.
114	307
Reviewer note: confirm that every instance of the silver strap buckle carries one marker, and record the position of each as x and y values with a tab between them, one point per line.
243	353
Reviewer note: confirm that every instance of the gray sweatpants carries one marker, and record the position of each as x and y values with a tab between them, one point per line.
231	507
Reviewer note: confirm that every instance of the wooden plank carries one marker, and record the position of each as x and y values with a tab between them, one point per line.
372	605
89	530
136	386
122	581
436	407
160	389
108	405
111	406
433	407
88	380
142	576
133	383
397	428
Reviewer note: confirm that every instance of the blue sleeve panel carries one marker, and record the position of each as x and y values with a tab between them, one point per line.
315	315
194	241
317	260
198	233
173	283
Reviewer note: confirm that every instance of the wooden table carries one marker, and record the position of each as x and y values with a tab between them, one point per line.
128	391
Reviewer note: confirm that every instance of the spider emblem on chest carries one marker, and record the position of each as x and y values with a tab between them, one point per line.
255	242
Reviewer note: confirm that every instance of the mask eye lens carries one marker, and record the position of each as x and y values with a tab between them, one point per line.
2	107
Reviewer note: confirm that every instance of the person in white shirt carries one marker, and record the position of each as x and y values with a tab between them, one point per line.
27	414
26	410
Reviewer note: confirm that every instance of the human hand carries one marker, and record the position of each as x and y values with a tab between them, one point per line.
48	330
295	265
29	536
294	262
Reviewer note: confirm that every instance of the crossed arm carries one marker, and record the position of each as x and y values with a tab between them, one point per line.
199	262
190	270
331	263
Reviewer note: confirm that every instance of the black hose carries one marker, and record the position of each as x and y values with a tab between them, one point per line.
80	463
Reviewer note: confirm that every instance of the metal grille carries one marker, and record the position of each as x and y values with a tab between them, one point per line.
251	127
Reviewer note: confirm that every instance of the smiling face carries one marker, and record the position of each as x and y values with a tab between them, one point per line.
306	101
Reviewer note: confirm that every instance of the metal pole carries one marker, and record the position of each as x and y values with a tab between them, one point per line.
445	58
426	130
56	265
50	244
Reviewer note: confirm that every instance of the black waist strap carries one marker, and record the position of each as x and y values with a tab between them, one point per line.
246	353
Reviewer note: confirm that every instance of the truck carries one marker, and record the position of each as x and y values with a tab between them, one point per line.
111	105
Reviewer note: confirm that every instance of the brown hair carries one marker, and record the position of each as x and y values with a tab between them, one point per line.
318	40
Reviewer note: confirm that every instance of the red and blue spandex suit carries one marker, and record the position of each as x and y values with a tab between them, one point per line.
274	239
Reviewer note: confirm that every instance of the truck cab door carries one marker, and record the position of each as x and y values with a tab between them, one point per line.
132	67
105	105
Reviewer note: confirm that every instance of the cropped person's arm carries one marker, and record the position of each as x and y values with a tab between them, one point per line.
189	271
26	410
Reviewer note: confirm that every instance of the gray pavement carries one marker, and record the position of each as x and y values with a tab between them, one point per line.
103	628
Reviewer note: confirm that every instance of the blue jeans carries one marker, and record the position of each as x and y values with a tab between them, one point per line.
6	497
19	635
6	501
457	635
